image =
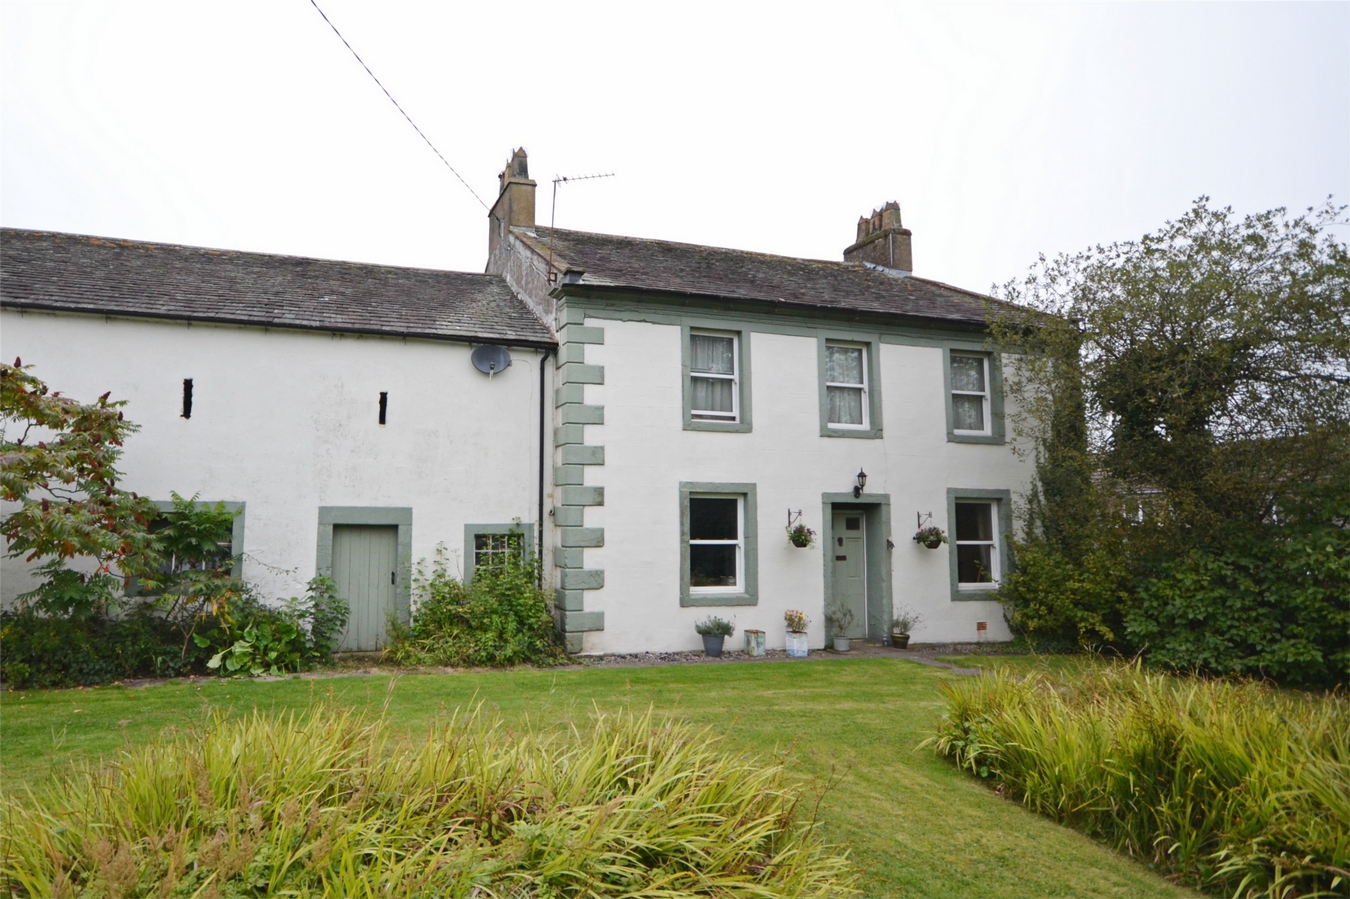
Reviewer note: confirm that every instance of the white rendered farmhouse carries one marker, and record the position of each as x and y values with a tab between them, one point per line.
668	410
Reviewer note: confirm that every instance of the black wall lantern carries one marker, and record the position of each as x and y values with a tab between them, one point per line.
862	482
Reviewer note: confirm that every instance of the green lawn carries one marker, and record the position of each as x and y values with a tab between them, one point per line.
916	826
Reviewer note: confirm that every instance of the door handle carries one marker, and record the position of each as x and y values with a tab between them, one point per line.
391	576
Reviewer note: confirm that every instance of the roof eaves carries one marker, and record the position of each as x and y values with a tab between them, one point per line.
77	309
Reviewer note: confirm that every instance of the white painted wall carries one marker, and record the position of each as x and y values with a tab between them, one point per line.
286	421
647	454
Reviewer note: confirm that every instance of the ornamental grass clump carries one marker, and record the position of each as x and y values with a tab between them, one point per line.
1237	788
337	804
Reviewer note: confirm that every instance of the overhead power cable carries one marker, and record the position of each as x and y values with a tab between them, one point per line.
399	108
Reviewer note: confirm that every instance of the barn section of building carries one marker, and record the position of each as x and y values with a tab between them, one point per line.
336	404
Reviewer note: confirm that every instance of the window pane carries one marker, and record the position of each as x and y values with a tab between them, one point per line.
967	412
712	518
712	566
845	405
972	564
491	550
968	373
974	521
712	354
711	394
844	364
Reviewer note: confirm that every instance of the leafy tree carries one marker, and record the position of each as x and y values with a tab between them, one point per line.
58	463
1187	396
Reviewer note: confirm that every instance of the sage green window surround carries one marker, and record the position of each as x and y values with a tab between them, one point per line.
1003	498
871	344
400	516
471	531
749	596
995	387
876	509
743	420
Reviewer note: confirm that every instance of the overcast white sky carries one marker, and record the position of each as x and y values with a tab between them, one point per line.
1004	130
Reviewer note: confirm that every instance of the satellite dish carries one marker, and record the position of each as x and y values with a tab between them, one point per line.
491	359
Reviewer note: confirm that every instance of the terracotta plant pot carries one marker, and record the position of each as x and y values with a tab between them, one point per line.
900	641
712	644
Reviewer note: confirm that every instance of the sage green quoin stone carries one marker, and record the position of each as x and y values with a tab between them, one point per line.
569	557
582	334
569	393
573	643
569	516
582	496
573	373
569	600
576	622
566	434
582	579
583	536
571	352
568	474
571	315
581	414
583	455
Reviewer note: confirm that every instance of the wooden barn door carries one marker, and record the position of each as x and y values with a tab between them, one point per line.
365	567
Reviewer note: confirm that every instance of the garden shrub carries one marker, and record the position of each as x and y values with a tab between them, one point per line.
502	617
243	635
1240	789
331	803
38	650
1269	604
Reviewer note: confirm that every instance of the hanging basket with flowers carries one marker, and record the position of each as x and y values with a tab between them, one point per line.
931	537
800	536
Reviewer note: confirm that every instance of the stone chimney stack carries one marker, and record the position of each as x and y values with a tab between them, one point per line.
515	200
883	241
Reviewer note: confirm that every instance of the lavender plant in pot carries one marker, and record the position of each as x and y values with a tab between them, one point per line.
840	618
714	631
905	620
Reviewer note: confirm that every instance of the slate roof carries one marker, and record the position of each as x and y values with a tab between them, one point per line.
79	273
608	262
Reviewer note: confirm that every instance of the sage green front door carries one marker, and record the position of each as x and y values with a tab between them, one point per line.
850	569
365	567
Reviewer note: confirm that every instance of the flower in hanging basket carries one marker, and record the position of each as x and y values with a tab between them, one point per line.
931	537
801	536
796	621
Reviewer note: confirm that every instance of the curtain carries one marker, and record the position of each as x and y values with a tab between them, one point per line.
714	355
711	395
844	364
968	373
845	405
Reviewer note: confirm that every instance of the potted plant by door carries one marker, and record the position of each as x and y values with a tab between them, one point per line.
840	618
905	620
931	537
796	633
714	631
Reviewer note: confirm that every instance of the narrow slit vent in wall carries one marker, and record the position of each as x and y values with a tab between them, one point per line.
384	405
187	397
